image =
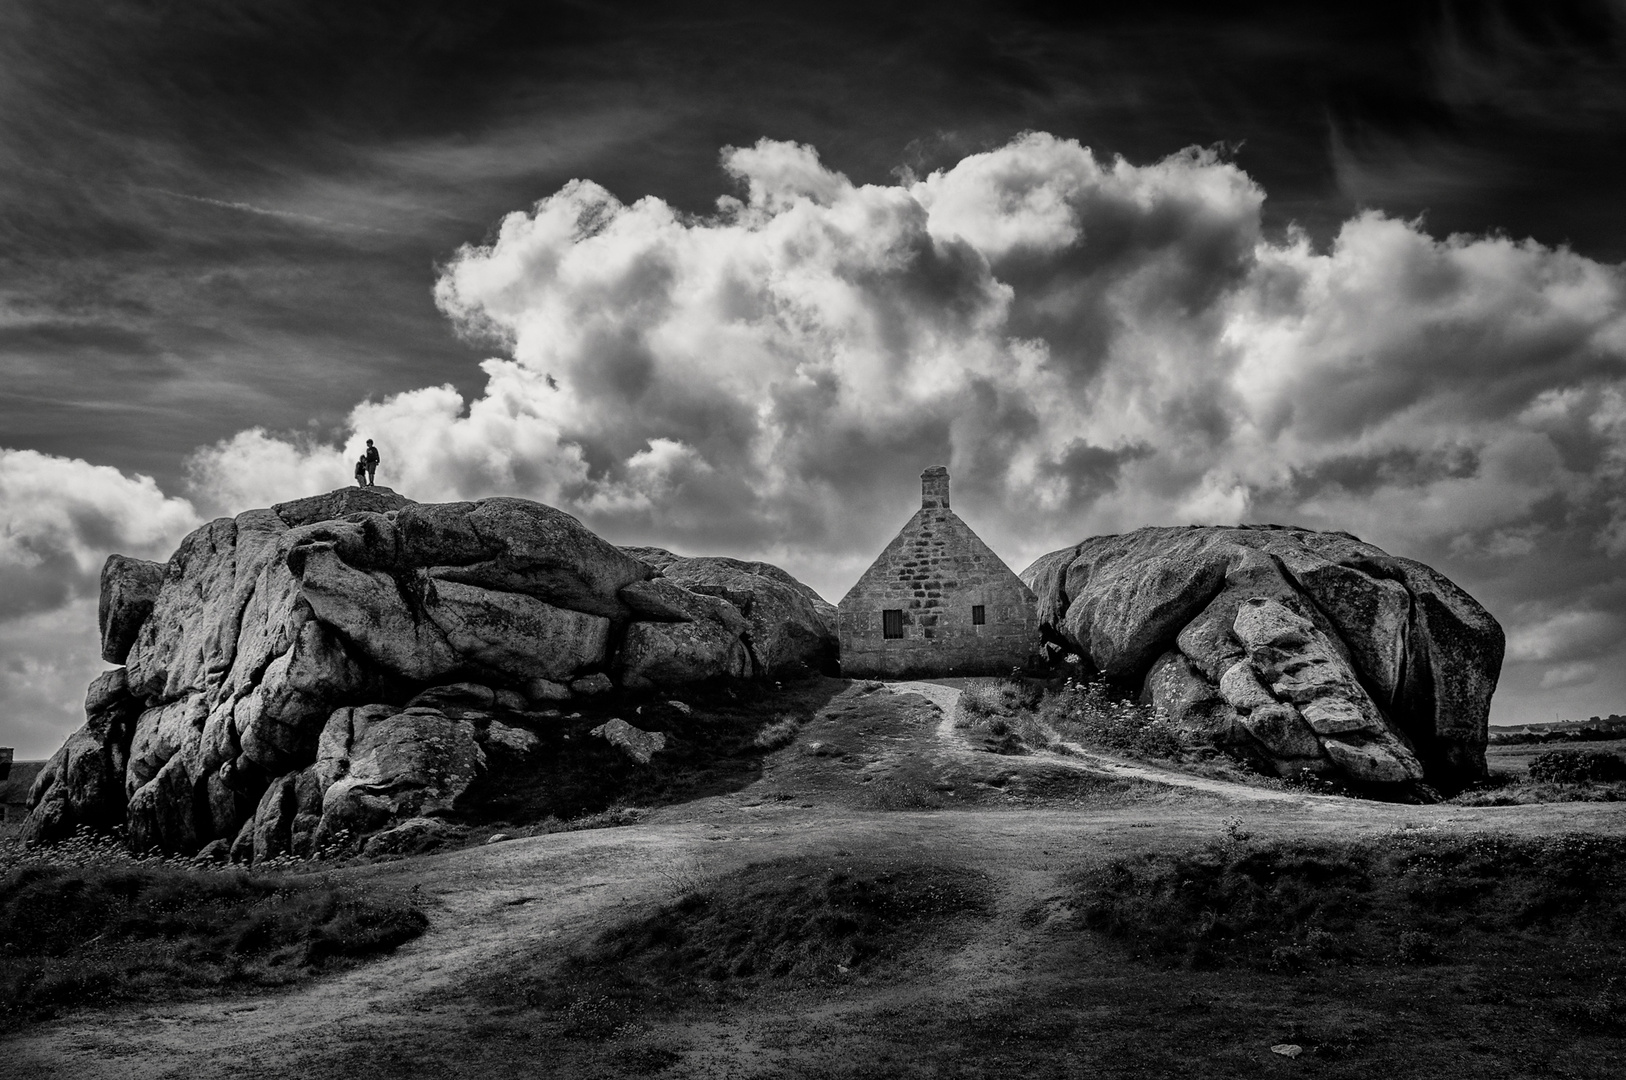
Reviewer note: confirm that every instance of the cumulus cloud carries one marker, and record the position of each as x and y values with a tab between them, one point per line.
59	520
1089	345
61	517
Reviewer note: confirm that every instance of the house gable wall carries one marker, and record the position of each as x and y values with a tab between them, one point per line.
935	571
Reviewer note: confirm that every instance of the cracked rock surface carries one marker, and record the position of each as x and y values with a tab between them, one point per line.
1294	649
336	666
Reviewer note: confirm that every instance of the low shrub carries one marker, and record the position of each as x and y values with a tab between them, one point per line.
980	700
1003	713
1577	767
1411	897
131	931
1094	714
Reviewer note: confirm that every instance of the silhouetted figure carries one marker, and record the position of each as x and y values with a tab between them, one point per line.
371	458
361	472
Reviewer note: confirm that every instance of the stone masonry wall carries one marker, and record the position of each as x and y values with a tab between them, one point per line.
935	571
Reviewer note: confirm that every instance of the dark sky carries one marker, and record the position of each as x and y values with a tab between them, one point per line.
145	320
217	217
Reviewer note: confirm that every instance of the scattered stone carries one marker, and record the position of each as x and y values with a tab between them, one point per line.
592	685
514	739
637	744
546	690
512	701
1287	1050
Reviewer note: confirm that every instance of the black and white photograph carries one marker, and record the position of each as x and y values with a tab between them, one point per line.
709	540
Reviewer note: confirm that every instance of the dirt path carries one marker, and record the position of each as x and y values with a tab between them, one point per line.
945	697
492	907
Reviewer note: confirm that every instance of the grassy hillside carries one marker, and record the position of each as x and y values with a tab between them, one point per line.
845	884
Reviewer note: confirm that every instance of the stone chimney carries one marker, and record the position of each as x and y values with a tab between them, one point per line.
934	488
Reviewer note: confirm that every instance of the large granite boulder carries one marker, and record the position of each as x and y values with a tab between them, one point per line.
1296	649
703	637
792	628
377	767
419	624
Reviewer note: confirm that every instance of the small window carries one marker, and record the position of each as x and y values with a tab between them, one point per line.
979	615
892	624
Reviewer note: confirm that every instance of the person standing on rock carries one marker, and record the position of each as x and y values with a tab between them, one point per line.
371	458
361	472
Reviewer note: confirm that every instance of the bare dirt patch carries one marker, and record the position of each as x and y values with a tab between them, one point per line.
1022	986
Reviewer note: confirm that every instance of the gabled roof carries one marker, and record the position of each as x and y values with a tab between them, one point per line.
937	519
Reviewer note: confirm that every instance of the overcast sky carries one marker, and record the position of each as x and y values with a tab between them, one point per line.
726	280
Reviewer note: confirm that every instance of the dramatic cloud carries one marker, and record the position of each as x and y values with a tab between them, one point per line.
59	520
1089	345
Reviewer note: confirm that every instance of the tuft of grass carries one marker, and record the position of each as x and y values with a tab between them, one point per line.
97	934
779	732
904	793
981	700
1410	897
1002	713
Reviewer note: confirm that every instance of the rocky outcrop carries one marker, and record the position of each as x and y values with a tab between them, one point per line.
705	635
1294	648
337	665
376	766
791	628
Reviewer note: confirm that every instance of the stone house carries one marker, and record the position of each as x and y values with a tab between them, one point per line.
937	602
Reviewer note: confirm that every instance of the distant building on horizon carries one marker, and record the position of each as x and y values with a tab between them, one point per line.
16	777
937	602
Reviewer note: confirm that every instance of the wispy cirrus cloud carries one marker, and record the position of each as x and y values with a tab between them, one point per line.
262	211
